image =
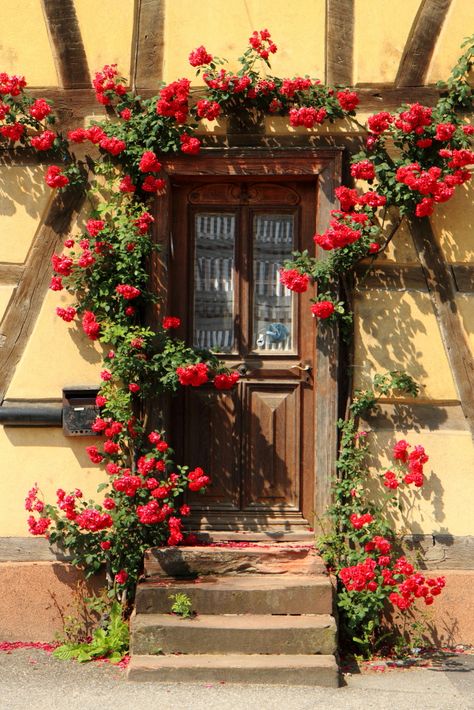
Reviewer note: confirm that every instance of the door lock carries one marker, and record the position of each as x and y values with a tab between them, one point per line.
242	369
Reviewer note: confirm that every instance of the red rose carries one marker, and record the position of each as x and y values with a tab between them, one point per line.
78	135
364	170
94	226
226	382
348	100
322	309
445	131
40	109
190	145
194	375
55	178
121	577
199	56
13	131
128	292
44	140
152	184
294	280
126	184
425	207
112	145
95	134
170	322
149	163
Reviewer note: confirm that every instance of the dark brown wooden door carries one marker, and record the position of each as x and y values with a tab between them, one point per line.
230	238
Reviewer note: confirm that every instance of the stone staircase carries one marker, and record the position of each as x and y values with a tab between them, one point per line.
263	615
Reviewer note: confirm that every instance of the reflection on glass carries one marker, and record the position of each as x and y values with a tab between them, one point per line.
214	281
273	242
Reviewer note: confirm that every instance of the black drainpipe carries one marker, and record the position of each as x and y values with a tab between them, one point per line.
29	415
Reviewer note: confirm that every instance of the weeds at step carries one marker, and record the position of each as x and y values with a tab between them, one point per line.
109	639
182	605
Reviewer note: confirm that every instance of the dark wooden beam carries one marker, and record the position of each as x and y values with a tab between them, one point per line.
421	42
147	45
441	550
400	278
382	97
73	105
442	290
415	415
24	307
339	41
390	276
327	366
463	277
66	42
10	274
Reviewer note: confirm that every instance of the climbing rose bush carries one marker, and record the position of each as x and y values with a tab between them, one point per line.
140	505
104	267
374	577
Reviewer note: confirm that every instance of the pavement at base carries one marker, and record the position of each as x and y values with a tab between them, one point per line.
31	679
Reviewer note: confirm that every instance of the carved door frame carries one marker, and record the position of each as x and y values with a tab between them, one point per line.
293	163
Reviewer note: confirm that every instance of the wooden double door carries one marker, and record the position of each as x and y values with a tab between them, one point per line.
230	238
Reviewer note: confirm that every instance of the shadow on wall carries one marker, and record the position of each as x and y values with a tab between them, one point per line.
432	492
454	224
387	338
49	437
406	417
22	186
85	347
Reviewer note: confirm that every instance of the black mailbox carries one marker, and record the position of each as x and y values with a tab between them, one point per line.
79	410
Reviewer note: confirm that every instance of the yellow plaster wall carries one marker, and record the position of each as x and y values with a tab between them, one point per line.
24	43
380	34
397	330
57	354
453	223
438	506
394	330
401	249
44	456
224	28
106	28
6	293
459	24
23	201
465	304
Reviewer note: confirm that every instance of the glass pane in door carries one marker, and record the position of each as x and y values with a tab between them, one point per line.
273	304
214	257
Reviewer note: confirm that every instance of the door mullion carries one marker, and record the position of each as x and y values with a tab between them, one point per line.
245	279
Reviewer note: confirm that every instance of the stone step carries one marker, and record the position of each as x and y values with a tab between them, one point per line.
240	594
269	670
235	558
223	634
266	536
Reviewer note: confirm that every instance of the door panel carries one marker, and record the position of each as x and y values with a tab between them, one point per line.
272	427
212	426
231	239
